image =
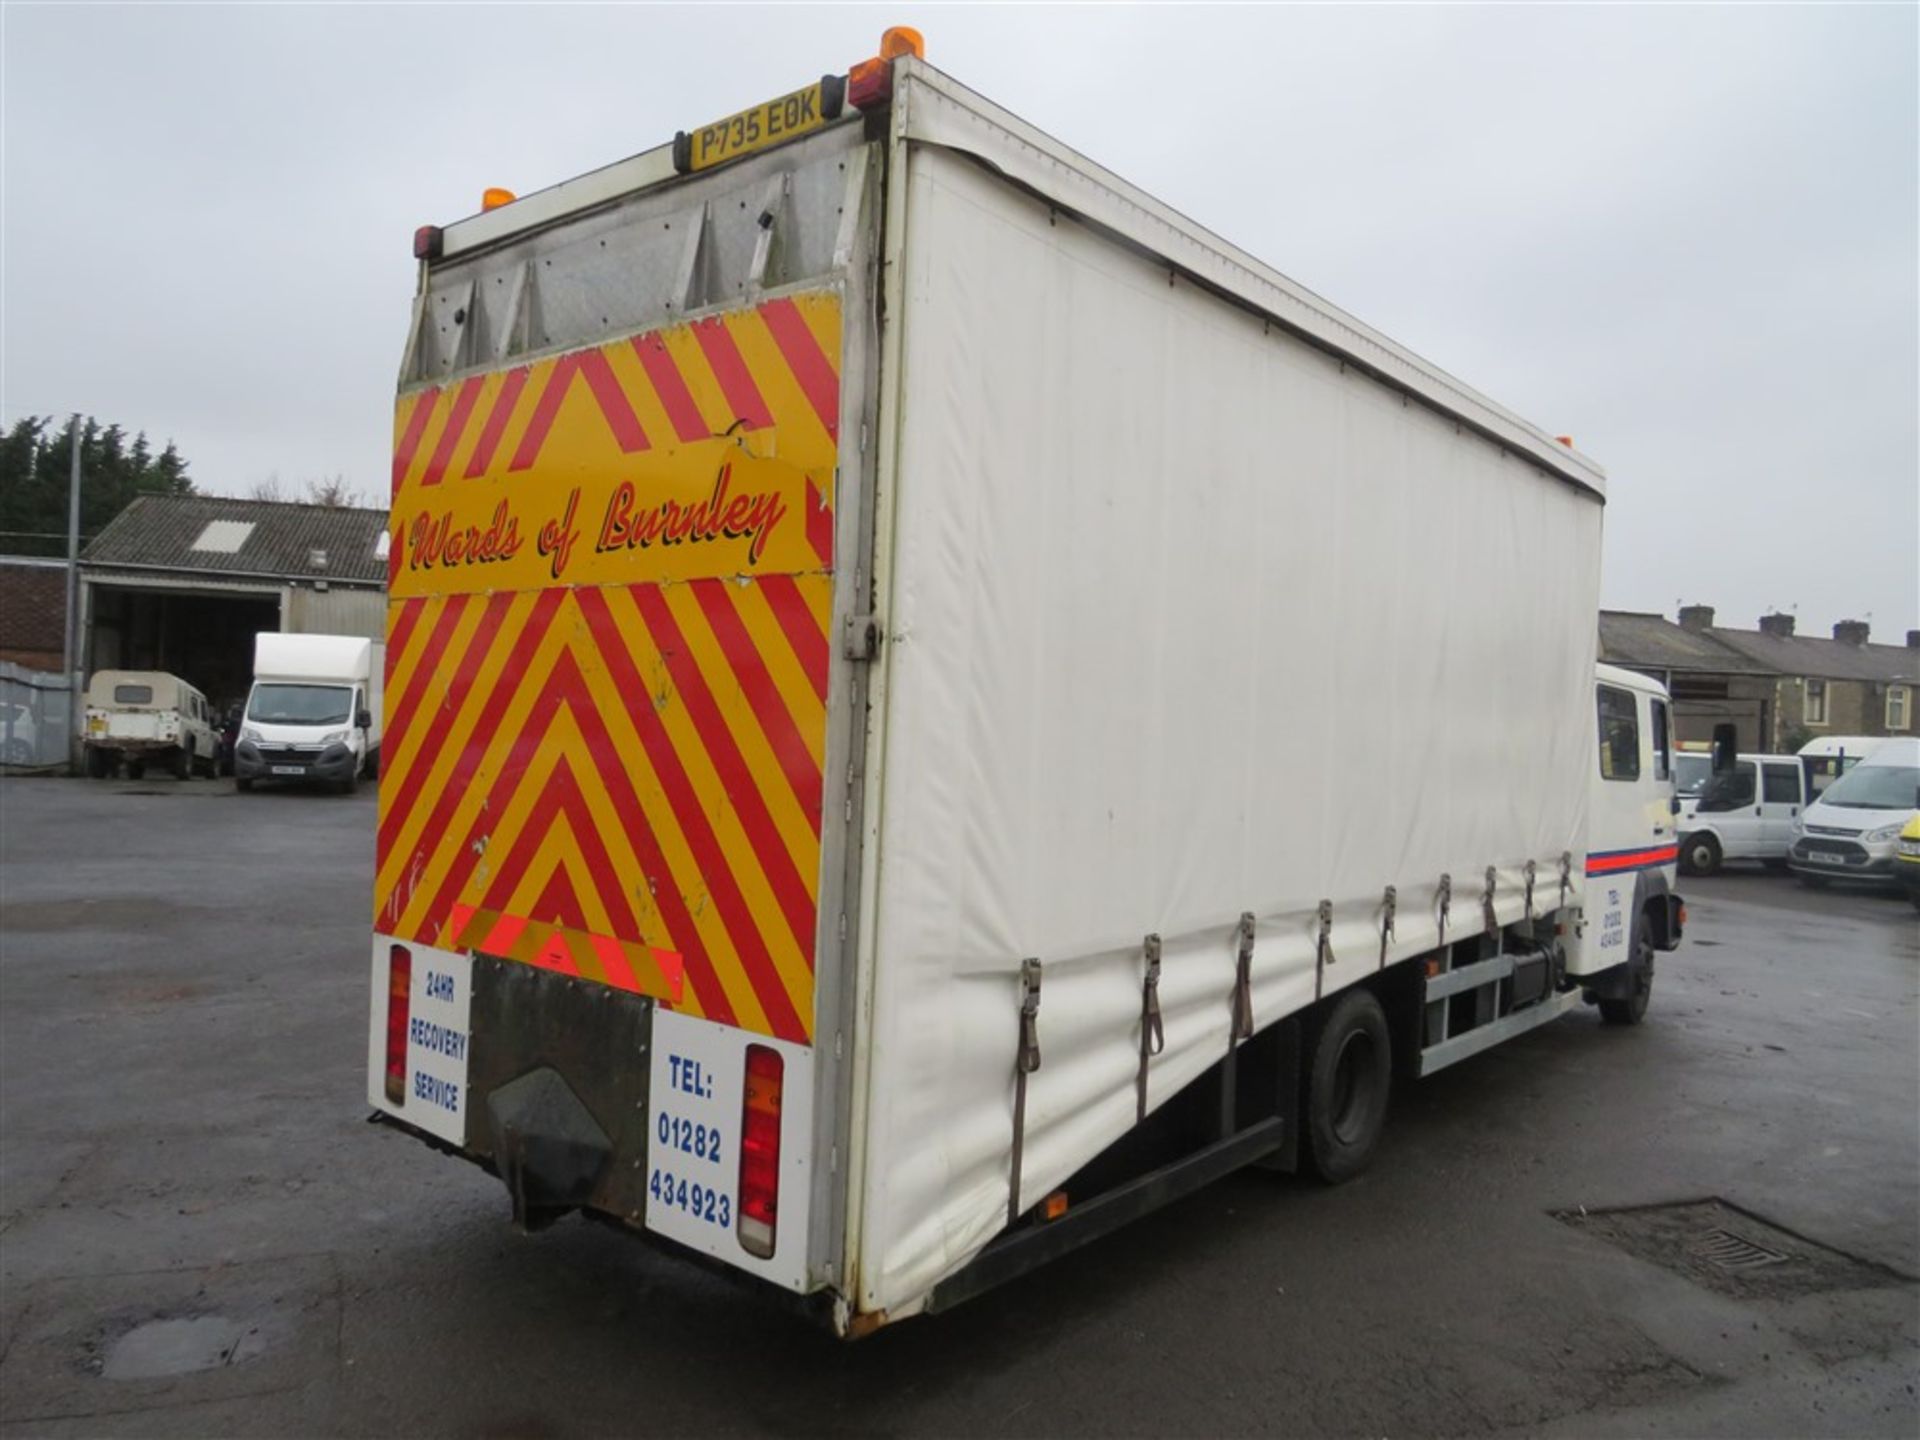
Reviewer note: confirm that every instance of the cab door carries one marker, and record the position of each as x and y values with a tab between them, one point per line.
1730	807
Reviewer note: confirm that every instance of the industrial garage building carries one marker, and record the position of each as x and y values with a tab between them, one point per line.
184	583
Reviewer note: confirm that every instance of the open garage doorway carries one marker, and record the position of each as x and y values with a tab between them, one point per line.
203	636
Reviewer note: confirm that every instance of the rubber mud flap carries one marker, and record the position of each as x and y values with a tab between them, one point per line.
550	1150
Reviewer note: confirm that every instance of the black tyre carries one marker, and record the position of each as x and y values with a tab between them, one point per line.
1699	855
183	762
136	769
99	763
1348	1086
1633	1007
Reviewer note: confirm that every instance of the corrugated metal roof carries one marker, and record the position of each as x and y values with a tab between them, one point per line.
297	542
1823	659
1645	641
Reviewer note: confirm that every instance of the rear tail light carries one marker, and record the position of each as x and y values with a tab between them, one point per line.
399	1003
760	1151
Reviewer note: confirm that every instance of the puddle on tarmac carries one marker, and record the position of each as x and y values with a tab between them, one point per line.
163	1348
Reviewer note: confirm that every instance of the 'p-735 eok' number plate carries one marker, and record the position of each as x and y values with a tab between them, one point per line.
771	123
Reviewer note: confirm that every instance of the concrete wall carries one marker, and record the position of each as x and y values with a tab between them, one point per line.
336	611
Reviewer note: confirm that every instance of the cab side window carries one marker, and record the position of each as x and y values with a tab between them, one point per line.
1730	790
1619	735
1662	743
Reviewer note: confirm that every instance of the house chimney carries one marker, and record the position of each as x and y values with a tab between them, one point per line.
1780	626
1696	617
1850	632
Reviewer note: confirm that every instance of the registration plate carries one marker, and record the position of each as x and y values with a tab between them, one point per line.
1826	857
771	123
289	769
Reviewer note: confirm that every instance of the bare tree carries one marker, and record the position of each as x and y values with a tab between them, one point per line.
333	490
330	490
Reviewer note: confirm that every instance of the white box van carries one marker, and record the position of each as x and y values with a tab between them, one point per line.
1853	830
314	711
1744	813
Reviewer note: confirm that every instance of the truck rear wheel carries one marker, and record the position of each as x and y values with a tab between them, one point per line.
99	762
183	762
1631	1008
136	769
1348	1086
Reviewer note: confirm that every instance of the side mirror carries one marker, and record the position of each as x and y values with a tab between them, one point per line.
1726	746
364	720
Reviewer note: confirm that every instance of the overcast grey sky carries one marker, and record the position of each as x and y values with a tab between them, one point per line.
1687	236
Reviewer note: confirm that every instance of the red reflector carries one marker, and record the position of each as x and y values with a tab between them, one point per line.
426	243
399	1004
870	83
760	1150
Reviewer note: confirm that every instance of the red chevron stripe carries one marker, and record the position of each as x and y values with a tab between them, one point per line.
416	770
496	425
450	434
544	410
809	365
696	962
750	806
803	632
754	956
736	381
750	672
399	634
562	796
613	402
485	726
409	701
565	686
671	387
819	525
410	437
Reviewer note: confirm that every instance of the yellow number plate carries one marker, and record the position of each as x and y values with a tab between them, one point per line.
772	123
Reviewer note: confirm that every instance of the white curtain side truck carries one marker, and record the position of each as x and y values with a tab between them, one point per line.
934	705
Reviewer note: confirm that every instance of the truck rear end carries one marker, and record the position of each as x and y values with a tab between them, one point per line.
626	544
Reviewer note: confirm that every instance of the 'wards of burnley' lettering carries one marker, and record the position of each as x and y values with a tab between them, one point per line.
749	516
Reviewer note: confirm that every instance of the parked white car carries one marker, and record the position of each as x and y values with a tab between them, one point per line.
1744	813
142	717
1853	830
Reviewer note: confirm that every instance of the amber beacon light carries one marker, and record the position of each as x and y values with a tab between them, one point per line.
494	197
870	82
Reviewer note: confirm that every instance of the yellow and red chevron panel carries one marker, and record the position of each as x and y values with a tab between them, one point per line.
607	662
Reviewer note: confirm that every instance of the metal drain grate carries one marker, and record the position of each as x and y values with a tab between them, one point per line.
1725	1248
1735	1252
